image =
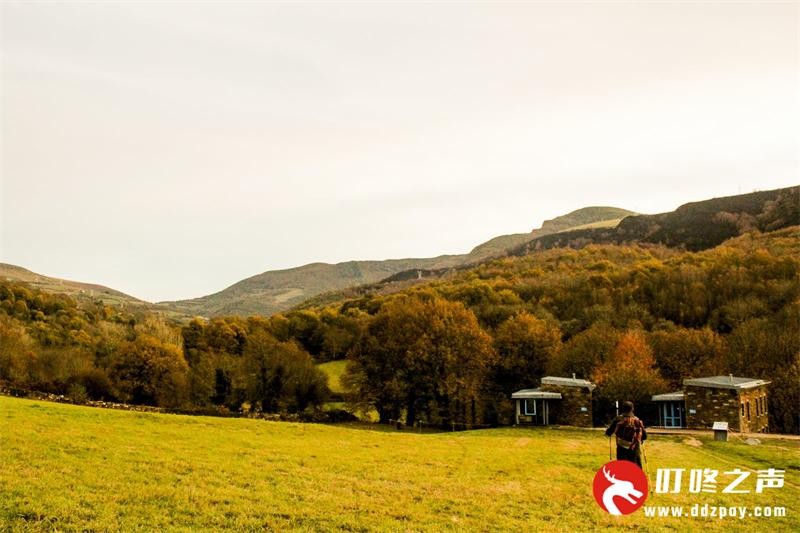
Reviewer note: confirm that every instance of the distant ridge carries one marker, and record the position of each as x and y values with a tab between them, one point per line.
278	290
75	289
694	226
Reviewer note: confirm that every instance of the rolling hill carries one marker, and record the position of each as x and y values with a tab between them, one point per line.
693	226
75	289
278	290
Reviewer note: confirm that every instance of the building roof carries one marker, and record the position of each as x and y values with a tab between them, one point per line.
535	394
568	382
725	382
668	397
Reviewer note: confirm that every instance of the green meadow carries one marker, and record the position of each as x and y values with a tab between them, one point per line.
334	370
70	468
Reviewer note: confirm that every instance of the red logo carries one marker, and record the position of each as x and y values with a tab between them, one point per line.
620	487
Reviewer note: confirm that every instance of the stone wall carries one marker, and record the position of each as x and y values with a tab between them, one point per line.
711	405
567	411
756	400
727	405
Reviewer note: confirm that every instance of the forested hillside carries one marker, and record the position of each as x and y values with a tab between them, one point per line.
93	351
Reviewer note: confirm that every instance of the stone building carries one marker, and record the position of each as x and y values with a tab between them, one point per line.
741	402
562	401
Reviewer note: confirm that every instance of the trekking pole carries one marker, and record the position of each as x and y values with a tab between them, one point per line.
647	470
610	450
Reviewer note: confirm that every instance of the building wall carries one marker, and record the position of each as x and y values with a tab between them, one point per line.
711	405
758	419
534	420
567	411
727	405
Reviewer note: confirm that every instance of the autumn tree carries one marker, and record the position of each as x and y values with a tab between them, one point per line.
584	352
424	356
525	347
150	372
784	399
630	374
681	353
17	353
280	376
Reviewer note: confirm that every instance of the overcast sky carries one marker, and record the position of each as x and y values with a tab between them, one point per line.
170	150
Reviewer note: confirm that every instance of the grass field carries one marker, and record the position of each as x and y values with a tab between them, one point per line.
334	370
75	468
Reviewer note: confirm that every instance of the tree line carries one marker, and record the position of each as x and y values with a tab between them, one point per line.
49	343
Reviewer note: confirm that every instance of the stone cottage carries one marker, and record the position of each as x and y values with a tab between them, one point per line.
562	401
739	401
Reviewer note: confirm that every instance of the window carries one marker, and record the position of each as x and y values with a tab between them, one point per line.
748	409
529	407
742	408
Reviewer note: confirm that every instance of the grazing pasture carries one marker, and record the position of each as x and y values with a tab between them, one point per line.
334	370
71	468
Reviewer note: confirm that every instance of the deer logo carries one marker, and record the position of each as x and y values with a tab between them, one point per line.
620	487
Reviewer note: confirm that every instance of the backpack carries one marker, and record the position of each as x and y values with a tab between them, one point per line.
629	432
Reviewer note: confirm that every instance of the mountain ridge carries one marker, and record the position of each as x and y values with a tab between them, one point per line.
277	290
692	226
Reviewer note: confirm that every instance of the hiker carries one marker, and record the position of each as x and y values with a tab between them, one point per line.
630	433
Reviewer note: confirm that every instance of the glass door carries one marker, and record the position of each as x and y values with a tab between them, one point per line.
671	414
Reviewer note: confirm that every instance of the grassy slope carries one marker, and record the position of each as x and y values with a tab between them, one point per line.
74	468
276	290
334	370
75	289
597	216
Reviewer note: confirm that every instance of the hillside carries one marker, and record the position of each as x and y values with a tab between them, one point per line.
588	216
75	289
72	468
278	290
694	226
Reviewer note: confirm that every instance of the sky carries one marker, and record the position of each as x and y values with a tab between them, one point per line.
169	150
